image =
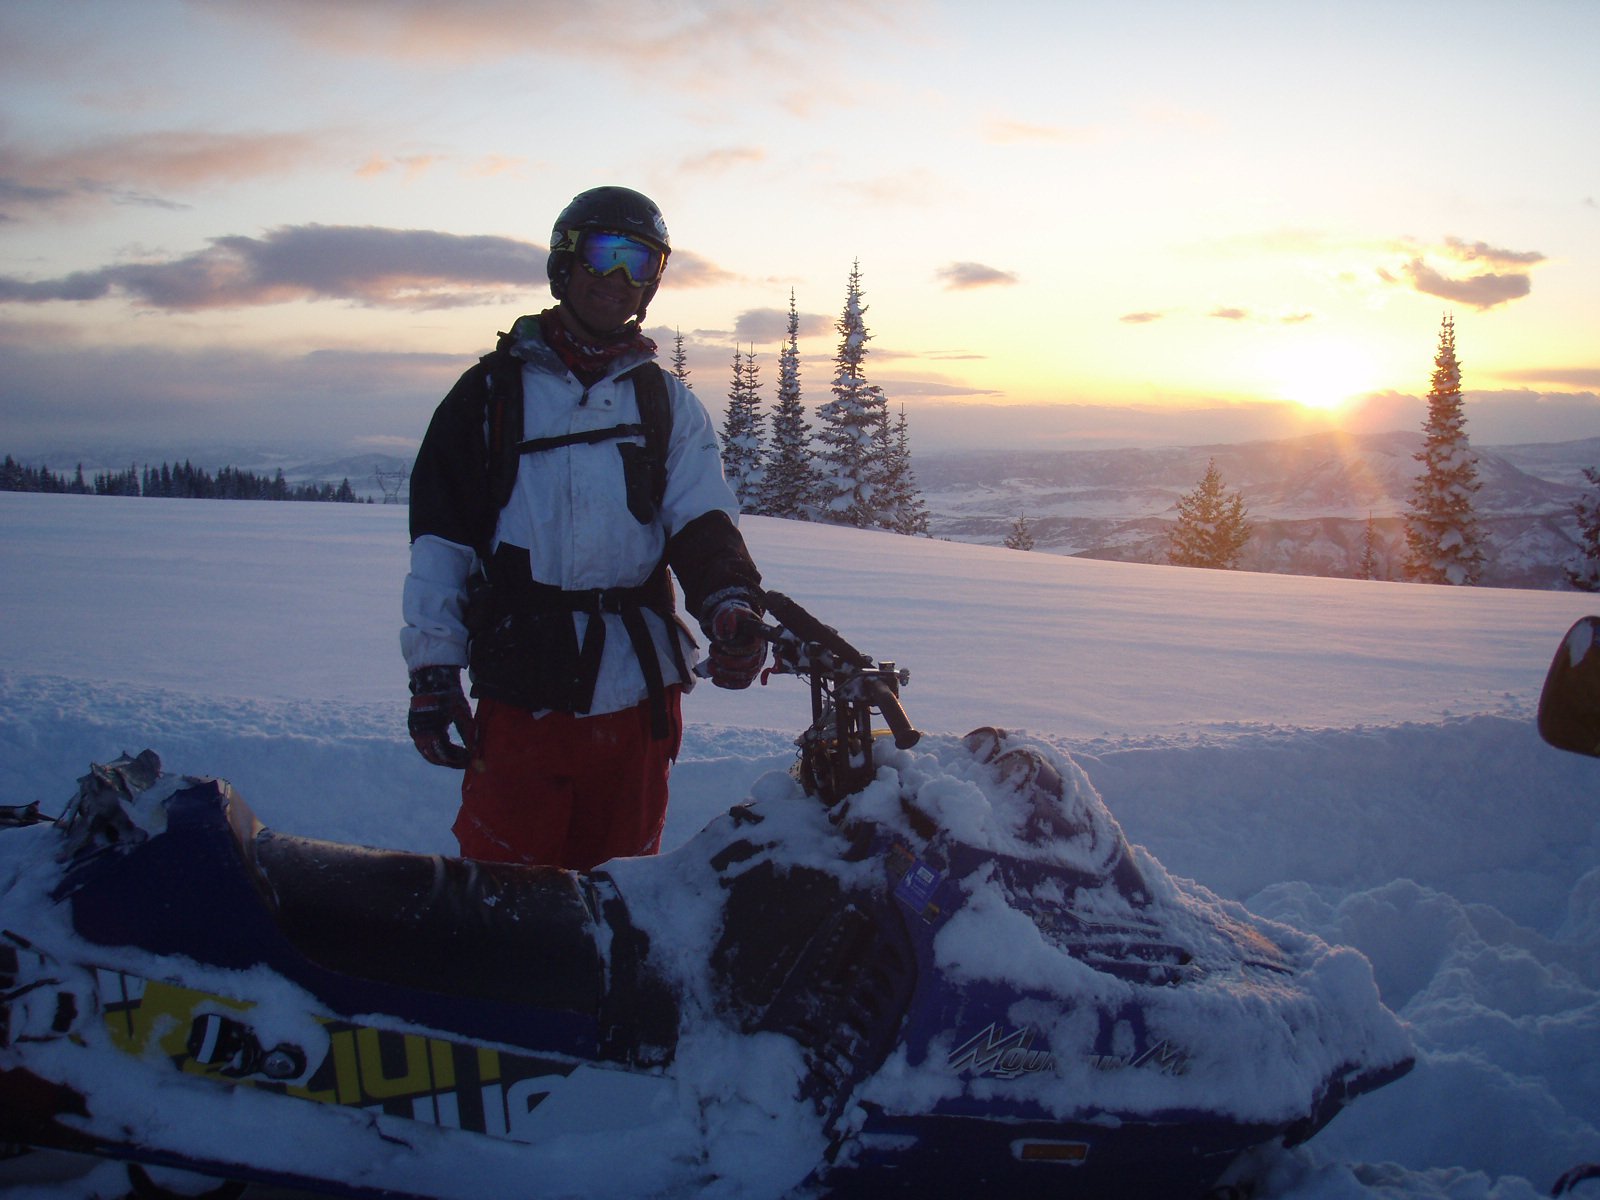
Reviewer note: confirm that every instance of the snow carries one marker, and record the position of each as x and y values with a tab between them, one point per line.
1355	759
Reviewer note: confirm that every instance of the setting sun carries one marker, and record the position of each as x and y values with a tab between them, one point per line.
1319	373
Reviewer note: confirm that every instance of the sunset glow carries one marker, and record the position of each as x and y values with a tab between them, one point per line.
232	220
1319	373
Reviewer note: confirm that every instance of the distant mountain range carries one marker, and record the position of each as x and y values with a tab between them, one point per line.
1309	498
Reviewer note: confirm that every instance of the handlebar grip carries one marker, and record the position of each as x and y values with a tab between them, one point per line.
883	698
808	629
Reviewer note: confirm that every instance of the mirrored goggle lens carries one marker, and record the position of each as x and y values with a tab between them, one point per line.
603	253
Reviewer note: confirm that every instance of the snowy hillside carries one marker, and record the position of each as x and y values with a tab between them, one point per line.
1355	758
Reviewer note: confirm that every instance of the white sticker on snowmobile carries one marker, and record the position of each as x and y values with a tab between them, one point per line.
1003	1055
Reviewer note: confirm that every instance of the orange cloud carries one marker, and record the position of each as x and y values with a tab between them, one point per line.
755	35
121	170
724	159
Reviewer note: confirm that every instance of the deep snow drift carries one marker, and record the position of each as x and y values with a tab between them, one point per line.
1354	758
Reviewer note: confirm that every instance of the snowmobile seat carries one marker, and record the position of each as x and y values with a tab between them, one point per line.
494	931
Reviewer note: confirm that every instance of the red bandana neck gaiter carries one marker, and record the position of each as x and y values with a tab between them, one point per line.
590	360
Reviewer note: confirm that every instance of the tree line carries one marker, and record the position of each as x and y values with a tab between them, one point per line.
180	480
852	467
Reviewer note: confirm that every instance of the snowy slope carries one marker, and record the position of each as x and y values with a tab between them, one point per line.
1355	758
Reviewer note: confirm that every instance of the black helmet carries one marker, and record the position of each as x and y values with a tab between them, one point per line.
614	209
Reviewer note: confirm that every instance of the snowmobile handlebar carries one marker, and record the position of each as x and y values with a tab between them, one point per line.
847	687
859	678
807	628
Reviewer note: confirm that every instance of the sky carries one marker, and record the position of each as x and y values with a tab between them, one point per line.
282	221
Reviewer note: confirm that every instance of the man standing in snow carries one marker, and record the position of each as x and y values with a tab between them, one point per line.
557	483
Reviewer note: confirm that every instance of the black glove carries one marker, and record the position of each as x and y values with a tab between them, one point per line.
738	651
437	703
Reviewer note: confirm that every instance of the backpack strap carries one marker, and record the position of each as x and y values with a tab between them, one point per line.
504	443
502	422
655	414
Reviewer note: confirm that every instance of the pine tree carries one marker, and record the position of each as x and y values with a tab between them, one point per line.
680	360
900	504
1583	571
741	432
1443	540
1211	529
755	477
1021	536
1369	551
789	487
850	424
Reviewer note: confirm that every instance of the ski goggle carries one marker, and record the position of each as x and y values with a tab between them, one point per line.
602	252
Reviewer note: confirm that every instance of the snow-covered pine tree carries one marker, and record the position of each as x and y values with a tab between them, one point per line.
1368	567
1021	536
849	424
680	360
1583	570
741	432
900	504
1211	530
789	487
755	479
1444	543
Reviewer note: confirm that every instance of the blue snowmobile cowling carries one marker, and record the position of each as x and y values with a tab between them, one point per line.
919	965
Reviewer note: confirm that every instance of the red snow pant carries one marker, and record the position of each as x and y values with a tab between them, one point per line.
563	790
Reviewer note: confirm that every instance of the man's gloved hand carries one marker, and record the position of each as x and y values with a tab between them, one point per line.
437	703
738	651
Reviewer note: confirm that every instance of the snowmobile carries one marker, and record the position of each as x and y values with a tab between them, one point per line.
914	965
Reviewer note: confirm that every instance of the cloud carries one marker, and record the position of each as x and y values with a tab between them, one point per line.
125	169
898	389
1140	318
174	401
963	276
1506	279
365	265
1496	275
1584	377
1479	291
1483	252
1230	314
723	159
764	36
1005	131
771	325
411	166
686	269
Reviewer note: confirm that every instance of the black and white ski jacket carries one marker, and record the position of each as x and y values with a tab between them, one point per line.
569	510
